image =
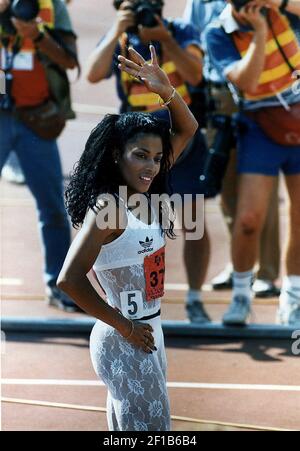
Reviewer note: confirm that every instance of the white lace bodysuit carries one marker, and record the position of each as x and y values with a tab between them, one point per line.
136	381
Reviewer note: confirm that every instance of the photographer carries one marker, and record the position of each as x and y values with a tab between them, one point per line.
37	45
11	171
255	46
221	106
177	44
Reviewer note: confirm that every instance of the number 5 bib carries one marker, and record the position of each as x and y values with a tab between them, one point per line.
132	304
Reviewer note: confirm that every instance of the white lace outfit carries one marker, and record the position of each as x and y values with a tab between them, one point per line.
136	381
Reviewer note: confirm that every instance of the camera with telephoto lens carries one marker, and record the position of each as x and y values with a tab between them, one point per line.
239	4
218	154
144	11
25	10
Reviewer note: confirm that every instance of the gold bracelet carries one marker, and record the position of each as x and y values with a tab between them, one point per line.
169	99
132	329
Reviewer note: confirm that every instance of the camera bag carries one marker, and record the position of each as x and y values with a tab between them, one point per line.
49	119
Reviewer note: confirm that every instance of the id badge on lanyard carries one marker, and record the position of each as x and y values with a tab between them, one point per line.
21	61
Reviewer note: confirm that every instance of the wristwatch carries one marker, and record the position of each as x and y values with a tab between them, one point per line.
39	38
283	5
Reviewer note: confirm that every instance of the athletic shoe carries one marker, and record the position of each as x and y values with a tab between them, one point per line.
238	312
57	298
196	313
224	280
265	289
289	312
289	316
13	174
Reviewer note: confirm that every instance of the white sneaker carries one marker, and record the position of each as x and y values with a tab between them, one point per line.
238	312
289	316
12	174
223	281
288	313
265	289
196	313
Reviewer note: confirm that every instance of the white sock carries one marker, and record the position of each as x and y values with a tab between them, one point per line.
242	282
290	292
193	295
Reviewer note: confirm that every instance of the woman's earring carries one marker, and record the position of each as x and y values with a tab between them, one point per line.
116	162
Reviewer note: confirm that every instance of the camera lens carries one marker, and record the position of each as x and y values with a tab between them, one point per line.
239	4
25	9
145	16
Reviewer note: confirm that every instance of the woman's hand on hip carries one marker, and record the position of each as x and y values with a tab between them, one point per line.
141	337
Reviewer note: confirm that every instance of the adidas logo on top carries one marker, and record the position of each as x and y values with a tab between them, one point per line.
146	245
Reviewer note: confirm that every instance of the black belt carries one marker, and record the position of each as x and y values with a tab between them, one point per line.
145	318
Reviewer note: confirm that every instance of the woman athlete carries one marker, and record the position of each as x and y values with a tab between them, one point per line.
136	151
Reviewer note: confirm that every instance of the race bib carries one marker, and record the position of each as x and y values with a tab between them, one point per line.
132	304
154	267
22	61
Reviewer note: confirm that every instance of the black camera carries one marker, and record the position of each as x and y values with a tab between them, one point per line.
218	154
144	11
20	9
239	4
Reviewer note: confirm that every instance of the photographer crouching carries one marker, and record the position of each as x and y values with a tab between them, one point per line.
255	45
177	44
37	45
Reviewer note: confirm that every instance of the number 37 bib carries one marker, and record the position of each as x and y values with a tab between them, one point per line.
132	302
154	267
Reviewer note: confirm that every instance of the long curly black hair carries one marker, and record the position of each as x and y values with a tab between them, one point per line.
96	172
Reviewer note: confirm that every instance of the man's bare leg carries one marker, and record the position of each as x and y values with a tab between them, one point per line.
289	313
254	197
196	258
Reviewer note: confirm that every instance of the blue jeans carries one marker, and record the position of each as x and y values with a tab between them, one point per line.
40	162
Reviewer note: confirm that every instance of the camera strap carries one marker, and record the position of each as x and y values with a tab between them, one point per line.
7	101
9	58
280	49
270	25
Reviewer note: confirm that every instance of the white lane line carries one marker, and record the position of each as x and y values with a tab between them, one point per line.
291	388
37	403
77	383
4	281
184	287
205	386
